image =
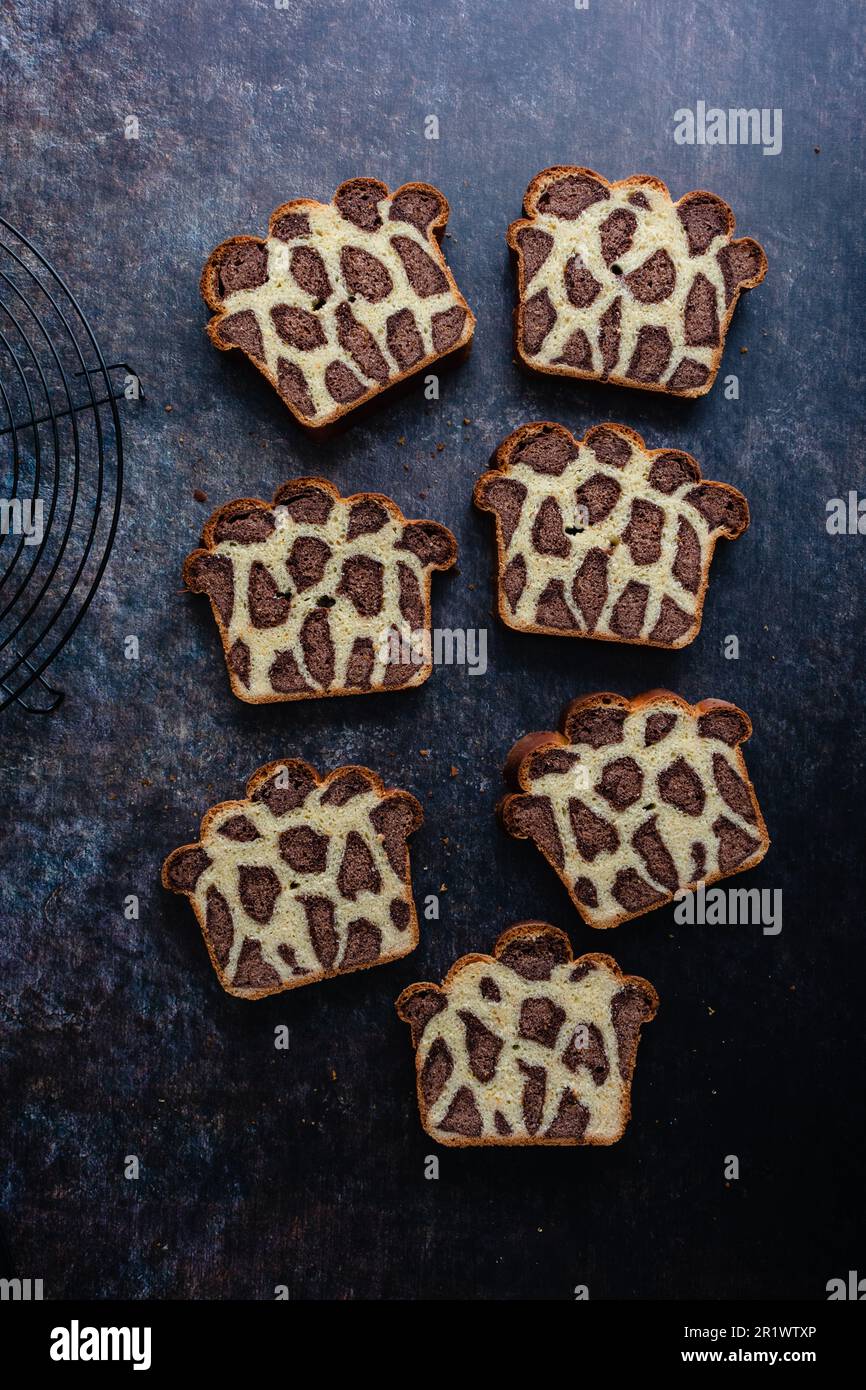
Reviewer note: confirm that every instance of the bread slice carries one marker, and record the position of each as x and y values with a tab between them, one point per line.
527	1046
307	878
316	594
341	300
637	799
618	283
602	537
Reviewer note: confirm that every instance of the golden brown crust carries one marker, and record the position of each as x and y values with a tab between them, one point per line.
256	780
499	466
342	414
534	191
518	766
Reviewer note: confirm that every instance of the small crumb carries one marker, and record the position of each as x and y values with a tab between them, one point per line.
817	149
471	586
445	840
455	771
402	440
443	888
710	1011
199	495
423	492
172	777
169	409
146	782
744	351
466	420
425	752
333	1074
439	448
405	468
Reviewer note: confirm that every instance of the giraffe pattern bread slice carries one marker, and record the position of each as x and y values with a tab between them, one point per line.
602	537
341	300
636	800
618	283
527	1046
307	878
316	594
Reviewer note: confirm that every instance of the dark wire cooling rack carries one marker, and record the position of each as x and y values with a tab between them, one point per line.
61	468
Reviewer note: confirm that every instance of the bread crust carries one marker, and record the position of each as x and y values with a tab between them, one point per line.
342	415
527	931
256	780
499	467
283	494
517	773
536	187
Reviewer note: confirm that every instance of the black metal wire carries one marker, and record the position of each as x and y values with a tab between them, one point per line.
54	419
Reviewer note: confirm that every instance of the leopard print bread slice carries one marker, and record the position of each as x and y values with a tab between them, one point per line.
618	283
316	594
305	879
341	300
602	537
636	800
527	1046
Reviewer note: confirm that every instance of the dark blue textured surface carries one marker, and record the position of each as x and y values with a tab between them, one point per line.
305	1168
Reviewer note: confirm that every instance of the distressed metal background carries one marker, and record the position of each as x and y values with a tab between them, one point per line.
306	1168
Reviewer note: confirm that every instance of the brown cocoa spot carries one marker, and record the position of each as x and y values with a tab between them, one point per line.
728	725
291	226
701	315
242	331
688	376
399	913
213	575
671	471
535	957
535	247
219	925
537	317
585	891
548	452
489	989
292	386
570	1120
540	1020
552	609
411	600
704	218
581	286
319	912
239	828
365	275
633	892
548	534
358	201
258	890
297	327
576	352
429	542
654	279
570	196
609	335
363	943
599	495
721	508
589	589
437	1068
514	581
253	971
422	272
672	624
482	1046
304	849
463	1115
342	383
617	233
318	646
609	447
359	669
739	262
358	872
734	844
308	506
307	560
404	340
628	614
621	783
418	1007
657	727
415	206
599	726
447	326
505	497
586	1049
593	835
365	518
245	527
533	1095
308	271
687	562
361	346
629	1008
287	788
651	355
185	868
643	534
243	265
531	818
267	606
362	583
733	789
648	842
680	786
